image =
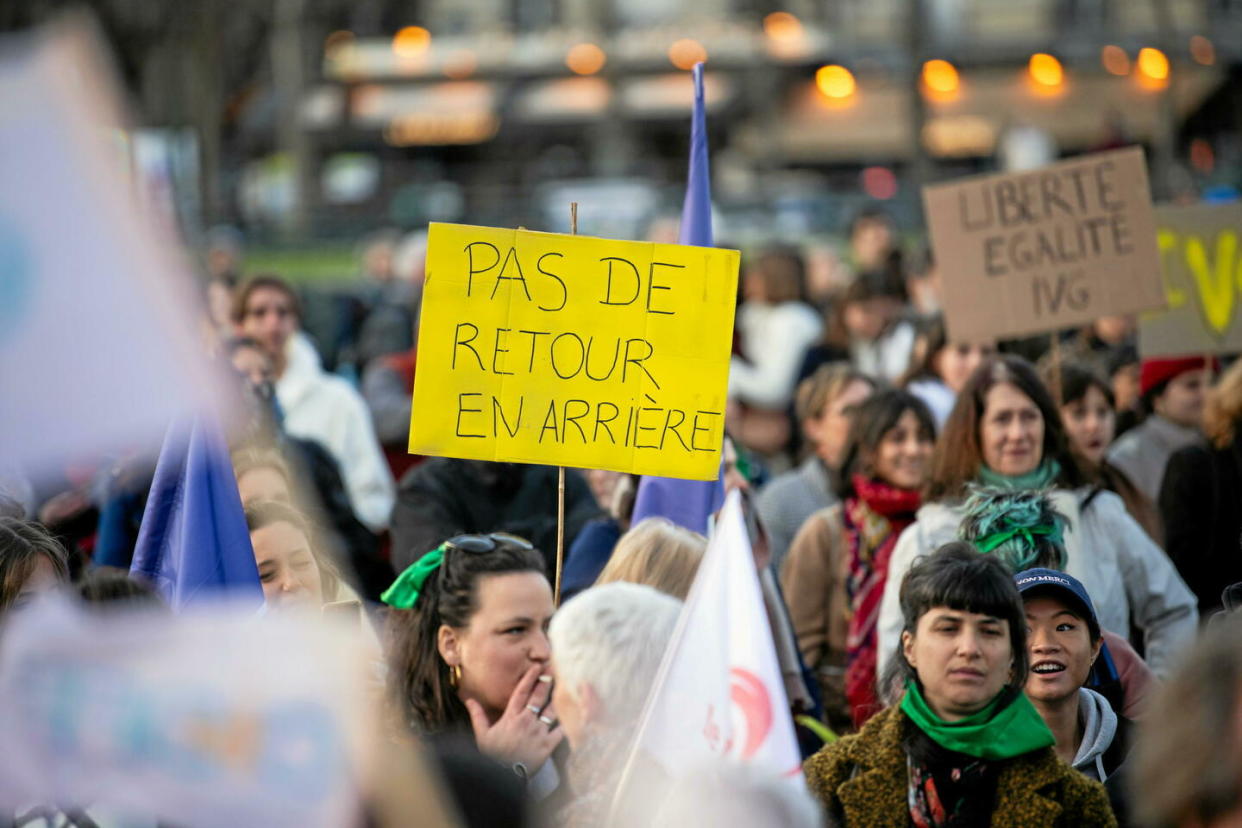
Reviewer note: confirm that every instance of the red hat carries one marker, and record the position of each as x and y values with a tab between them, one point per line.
1154	372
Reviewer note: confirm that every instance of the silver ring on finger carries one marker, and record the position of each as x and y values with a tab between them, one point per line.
549	722
535	710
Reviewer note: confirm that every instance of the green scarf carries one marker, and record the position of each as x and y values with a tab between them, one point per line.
1041	477
995	732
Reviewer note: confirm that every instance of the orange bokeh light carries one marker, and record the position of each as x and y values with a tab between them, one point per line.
782	26
1153	64
412	41
1046	70
940	76
835	81
1115	60
1202	50
686	52
585	59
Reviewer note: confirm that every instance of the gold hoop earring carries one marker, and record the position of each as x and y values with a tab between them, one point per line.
454	674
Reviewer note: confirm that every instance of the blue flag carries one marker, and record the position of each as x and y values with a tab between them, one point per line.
696	210
688	503
193	544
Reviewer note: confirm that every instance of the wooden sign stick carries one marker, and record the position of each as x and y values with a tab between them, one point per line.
1056	367
560	476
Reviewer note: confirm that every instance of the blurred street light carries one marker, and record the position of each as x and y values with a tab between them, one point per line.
835	82
585	59
411	42
782	26
686	52
1153	65
1046	71
940	80
1202	50
1115	60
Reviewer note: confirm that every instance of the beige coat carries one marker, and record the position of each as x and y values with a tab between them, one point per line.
813	580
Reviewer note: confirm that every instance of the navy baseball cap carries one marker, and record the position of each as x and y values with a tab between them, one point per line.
1066	587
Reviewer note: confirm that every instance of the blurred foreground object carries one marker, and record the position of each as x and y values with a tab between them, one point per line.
1188	759
212	718
97	343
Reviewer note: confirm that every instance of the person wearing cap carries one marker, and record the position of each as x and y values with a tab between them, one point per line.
1172	393
963	746
1026	532
1005	433
1063	643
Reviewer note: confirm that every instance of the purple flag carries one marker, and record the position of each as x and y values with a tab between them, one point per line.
688	503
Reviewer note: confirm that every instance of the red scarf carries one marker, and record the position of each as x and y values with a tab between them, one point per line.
874	519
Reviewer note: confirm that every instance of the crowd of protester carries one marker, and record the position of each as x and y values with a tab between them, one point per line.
988	565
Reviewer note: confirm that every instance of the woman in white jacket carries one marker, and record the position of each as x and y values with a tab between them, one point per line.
1004	431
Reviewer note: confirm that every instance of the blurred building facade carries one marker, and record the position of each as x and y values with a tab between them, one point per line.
324	117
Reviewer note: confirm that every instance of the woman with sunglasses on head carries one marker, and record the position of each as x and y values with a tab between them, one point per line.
1005	433
468	650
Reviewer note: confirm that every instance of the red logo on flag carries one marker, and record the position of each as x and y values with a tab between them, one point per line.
751	699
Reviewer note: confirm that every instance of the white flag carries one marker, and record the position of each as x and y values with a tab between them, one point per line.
719	692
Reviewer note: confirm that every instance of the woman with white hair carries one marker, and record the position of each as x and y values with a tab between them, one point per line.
607	643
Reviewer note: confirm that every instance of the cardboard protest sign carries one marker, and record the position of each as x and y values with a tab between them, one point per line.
99	347
1202	264
216	718
1037	251
574	351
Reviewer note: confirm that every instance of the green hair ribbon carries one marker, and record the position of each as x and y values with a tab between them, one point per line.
404	592
990	542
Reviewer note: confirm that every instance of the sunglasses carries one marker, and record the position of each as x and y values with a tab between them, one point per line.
486	543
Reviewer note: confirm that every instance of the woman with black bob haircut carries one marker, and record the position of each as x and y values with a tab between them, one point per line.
965	746
837	566
469	652
1005	434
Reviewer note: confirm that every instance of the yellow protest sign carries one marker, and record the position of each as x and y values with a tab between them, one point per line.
574	351
1202	263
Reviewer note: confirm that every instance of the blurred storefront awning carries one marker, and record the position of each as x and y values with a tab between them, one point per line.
563	100
449	112
672	95
874	123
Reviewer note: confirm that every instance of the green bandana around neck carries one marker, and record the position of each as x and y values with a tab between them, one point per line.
998	731
1041	477
404	592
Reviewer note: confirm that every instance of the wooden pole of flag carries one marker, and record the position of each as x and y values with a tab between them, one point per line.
560	477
